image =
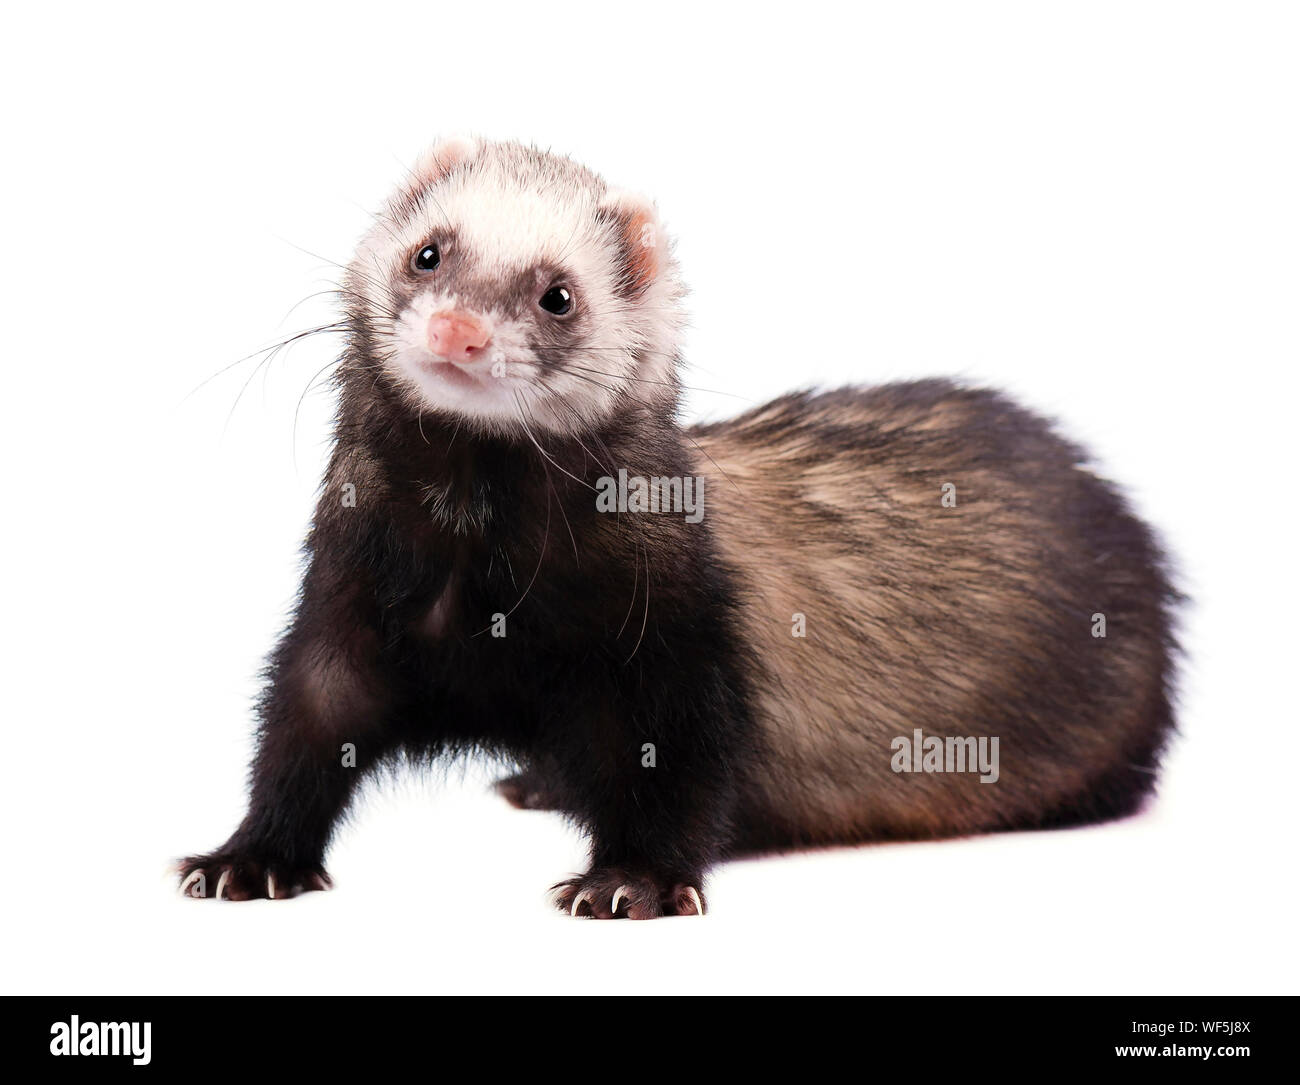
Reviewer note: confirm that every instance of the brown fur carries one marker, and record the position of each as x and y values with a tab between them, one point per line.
971	620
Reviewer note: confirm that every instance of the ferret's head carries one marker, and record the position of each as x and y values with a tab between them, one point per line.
514	290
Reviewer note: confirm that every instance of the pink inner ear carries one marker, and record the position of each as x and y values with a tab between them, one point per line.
642	238
443	157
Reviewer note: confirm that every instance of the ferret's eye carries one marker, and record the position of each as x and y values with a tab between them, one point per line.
557	300
427	258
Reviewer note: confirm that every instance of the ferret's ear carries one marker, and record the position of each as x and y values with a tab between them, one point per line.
443	157
636	222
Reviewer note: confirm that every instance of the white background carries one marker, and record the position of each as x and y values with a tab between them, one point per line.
1094	206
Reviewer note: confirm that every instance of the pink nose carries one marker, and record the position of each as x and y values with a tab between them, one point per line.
457	336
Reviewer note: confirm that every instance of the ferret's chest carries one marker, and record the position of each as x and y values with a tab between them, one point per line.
526	605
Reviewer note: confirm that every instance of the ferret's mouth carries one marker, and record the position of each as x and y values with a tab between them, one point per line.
478	388
466	377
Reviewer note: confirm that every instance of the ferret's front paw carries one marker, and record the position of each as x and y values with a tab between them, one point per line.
610	893
229	876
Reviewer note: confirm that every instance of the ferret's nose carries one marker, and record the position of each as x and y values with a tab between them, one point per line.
457	336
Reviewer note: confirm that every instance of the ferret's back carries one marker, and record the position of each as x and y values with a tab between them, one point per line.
930	556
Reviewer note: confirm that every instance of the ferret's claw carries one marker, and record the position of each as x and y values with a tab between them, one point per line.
578	899
619	893
239	877
695	899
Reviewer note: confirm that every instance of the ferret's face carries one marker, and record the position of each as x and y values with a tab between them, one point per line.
512	289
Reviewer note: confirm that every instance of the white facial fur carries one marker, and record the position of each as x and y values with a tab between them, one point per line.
504	209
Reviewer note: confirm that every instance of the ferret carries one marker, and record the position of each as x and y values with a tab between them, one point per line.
870	589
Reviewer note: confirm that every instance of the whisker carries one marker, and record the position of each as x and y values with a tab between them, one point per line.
274	348
636	579
560	400
685	433
265	362
650	380
294	435
645	617
543	451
